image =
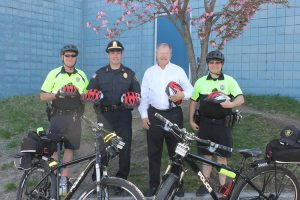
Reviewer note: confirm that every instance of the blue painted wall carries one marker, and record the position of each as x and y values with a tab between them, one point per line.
265	59
32	33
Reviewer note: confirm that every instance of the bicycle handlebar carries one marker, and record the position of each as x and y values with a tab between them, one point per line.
115	141
190	135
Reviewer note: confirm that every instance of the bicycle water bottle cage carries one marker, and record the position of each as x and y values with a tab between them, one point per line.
182	149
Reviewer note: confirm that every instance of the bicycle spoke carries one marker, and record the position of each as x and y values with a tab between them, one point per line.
273	185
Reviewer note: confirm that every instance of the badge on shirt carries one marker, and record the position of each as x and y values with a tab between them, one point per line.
77	79
94	76
222	87
125	75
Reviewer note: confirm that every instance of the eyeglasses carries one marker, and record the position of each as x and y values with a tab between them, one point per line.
215	62
68	55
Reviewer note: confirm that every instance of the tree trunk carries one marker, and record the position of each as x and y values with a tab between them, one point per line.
191	53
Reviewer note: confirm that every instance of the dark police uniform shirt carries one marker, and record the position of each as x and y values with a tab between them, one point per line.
114	83
205	85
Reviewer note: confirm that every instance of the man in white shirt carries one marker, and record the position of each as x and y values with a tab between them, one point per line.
155	100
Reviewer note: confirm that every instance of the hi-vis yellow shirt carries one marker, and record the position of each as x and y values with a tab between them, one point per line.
226	84
58	77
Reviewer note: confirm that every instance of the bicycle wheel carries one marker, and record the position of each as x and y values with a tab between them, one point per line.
167	188
113	188
281	184
28	188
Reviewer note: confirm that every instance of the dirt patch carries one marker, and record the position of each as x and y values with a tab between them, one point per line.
278	120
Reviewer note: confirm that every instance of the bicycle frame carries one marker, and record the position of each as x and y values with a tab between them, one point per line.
182	155
94	159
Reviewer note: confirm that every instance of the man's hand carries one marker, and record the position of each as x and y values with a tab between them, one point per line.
194	126
177	97
227	104
146	123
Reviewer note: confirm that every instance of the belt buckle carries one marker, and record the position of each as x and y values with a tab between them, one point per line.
114	107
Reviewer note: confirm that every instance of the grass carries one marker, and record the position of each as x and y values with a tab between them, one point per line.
18	114
7	166
275	104
10	187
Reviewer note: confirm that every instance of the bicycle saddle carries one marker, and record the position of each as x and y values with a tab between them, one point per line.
247	153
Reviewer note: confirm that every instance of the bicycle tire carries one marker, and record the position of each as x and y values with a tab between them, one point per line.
285	187
109	187
167	188
29	180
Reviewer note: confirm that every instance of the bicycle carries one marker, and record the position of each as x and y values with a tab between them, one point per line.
258	180
41	181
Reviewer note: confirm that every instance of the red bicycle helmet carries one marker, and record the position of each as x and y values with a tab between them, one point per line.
93	95
216	97
171	90
131	99
69	90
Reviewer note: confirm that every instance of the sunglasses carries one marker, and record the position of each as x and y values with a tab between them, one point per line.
214	62
73	55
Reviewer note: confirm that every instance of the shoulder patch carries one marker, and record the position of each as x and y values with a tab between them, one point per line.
94	75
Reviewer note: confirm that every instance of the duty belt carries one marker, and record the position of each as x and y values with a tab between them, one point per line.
111	108
65	112
164	110
214	121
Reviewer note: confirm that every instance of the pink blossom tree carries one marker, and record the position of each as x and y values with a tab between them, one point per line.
213	27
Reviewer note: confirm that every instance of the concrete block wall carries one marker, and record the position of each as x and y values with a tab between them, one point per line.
264	60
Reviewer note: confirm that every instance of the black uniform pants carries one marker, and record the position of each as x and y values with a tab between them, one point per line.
120	122
155	140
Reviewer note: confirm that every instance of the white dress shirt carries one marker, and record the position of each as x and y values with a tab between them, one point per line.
155	81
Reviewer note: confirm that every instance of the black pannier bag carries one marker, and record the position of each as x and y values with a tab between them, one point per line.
23	161
278	151
33	146
287	148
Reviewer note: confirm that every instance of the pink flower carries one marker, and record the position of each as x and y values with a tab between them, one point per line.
89	24
213	43
222	28
128	12
175	4
124	5
122	18
175	10
96	29
104	23
189	9
206	14
135	7
100	15
149	6
242	2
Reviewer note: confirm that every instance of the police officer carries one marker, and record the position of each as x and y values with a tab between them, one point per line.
113	81
214	117
63	87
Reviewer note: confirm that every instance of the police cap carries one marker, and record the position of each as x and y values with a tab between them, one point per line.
114	46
